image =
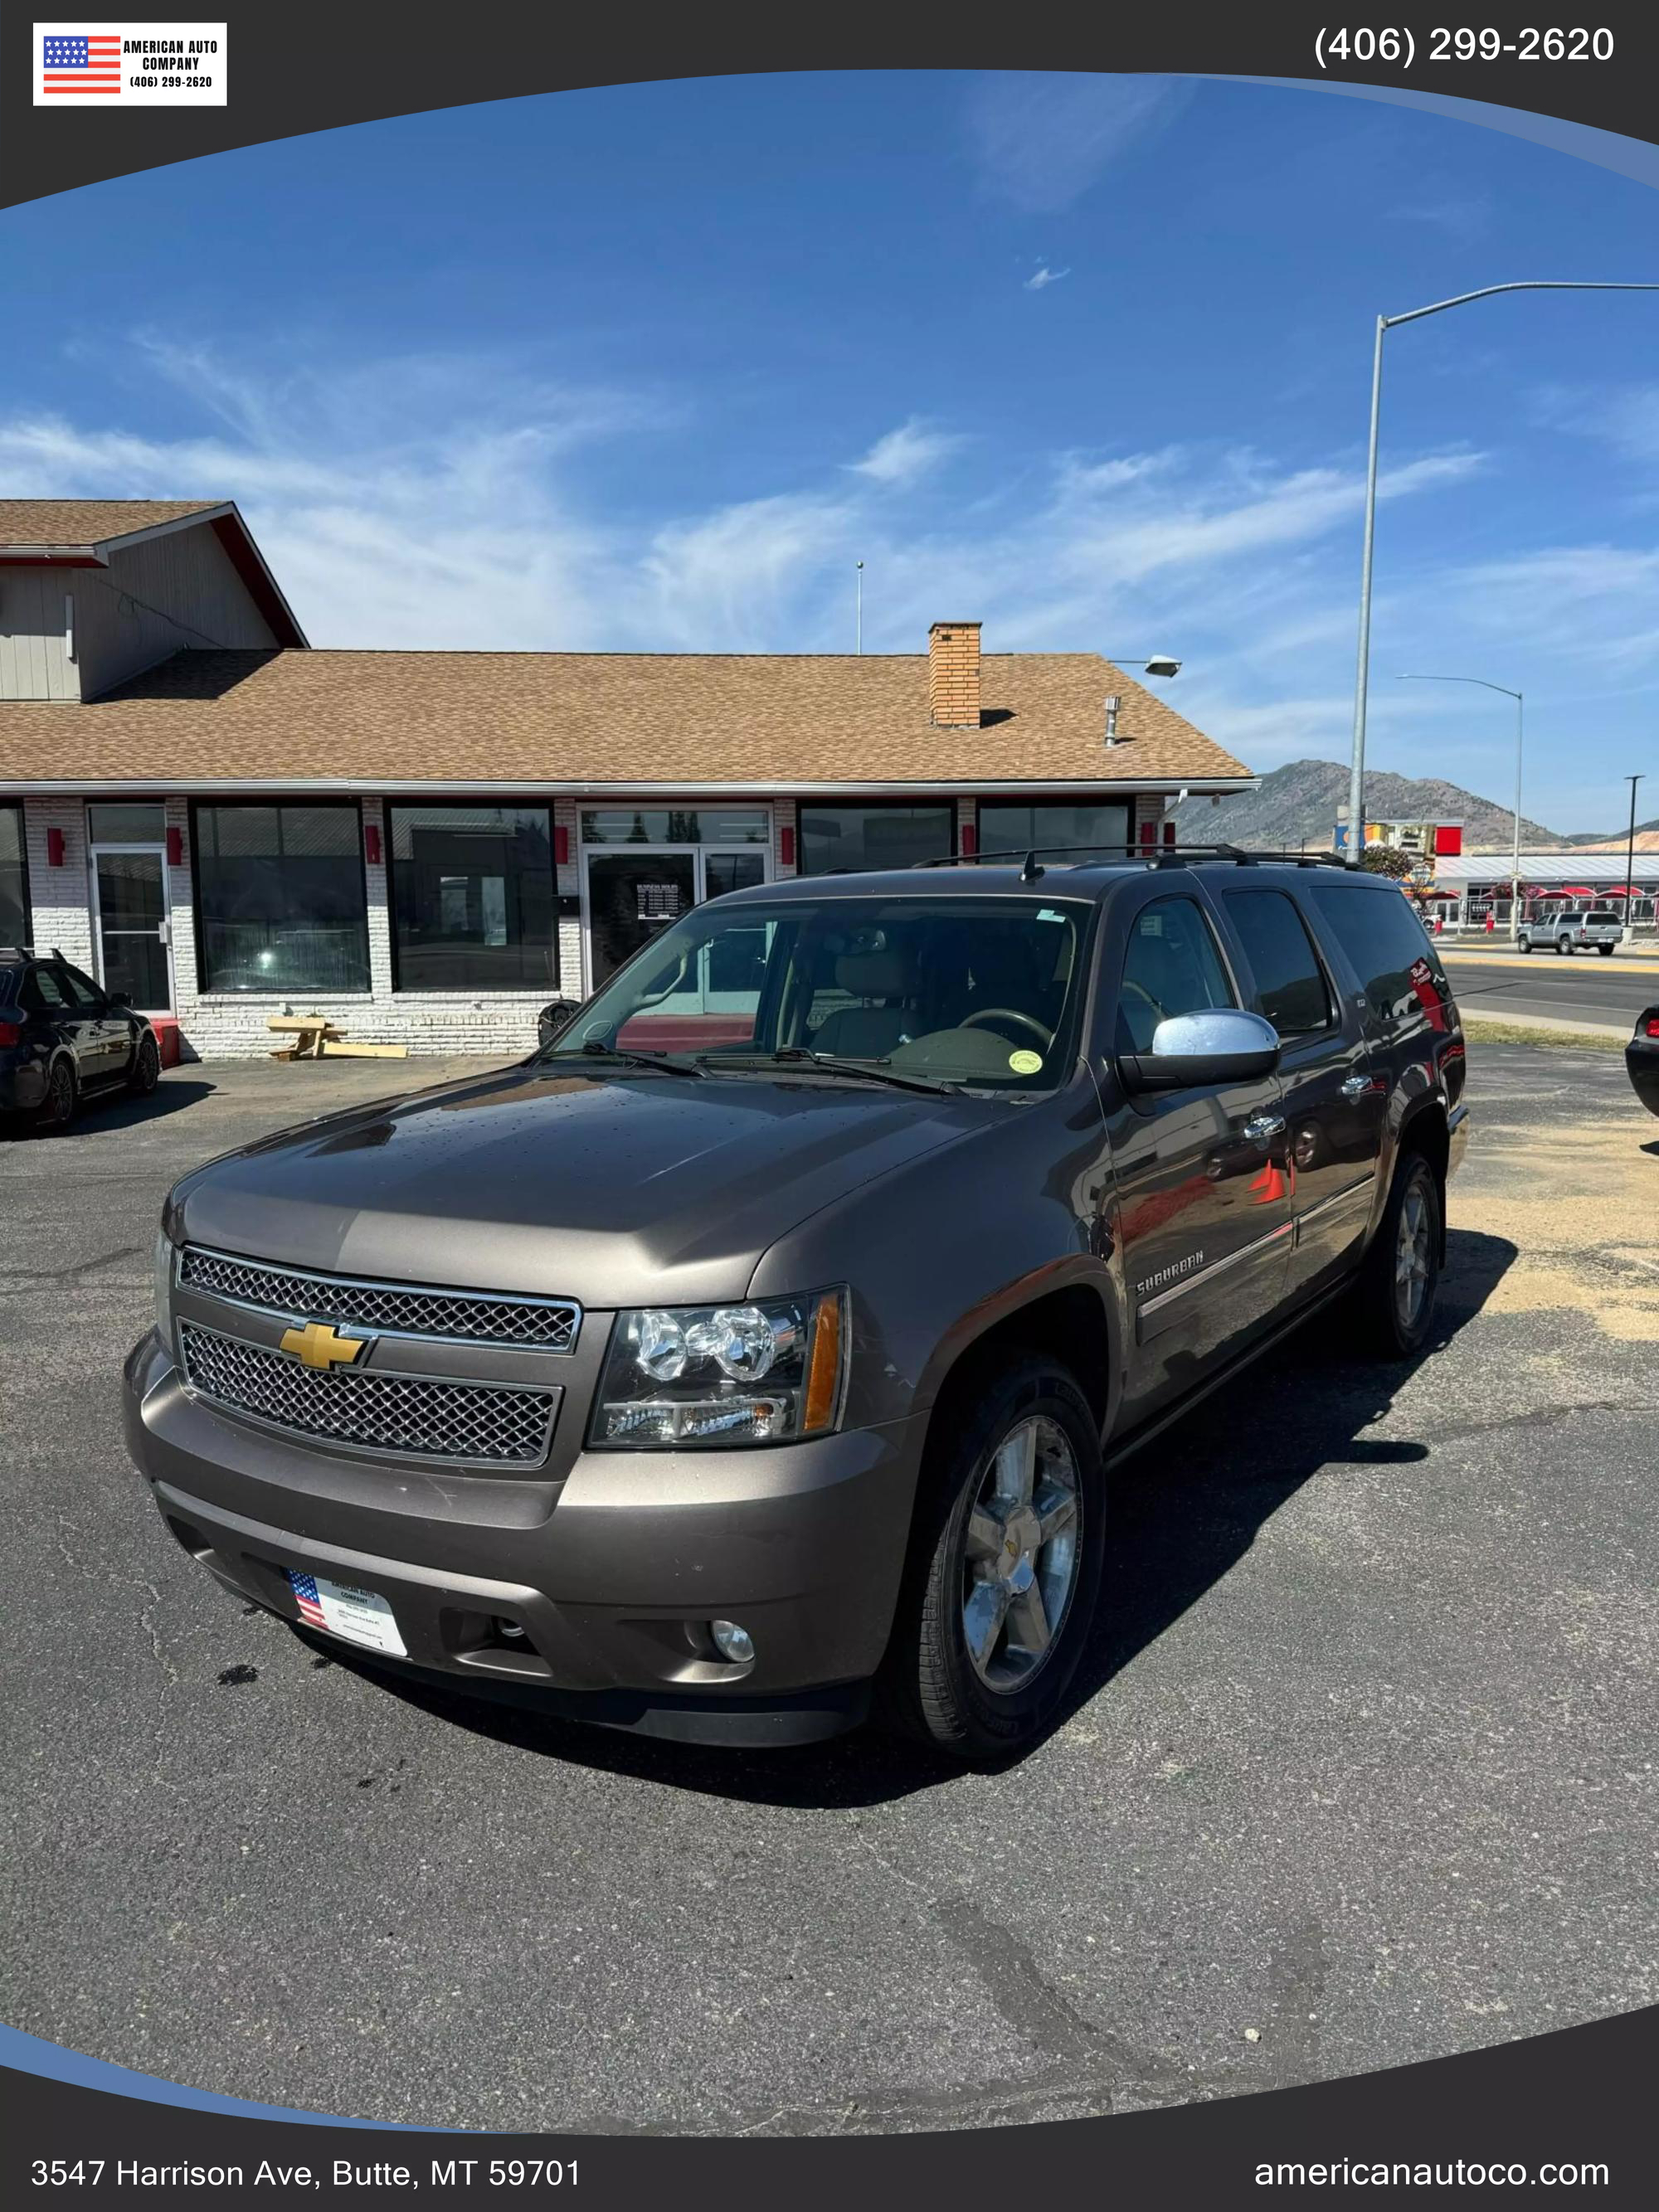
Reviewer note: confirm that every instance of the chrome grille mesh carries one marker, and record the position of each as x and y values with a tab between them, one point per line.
407	1309
386	1413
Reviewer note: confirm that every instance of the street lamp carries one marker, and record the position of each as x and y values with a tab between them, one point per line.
1515	880
1159	664
1629	864
1385	323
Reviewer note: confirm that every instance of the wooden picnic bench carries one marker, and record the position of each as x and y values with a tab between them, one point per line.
315	1035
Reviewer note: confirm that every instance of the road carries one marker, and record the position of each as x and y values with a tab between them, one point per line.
1585	988
1360	1770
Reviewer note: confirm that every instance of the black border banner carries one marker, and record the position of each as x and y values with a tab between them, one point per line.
303	65
1508	2118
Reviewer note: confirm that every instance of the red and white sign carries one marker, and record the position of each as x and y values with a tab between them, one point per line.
94	62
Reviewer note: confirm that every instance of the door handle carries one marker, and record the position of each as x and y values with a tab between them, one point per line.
1264	1127
1356	1087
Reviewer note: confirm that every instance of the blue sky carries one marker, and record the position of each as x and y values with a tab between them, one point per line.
1086	357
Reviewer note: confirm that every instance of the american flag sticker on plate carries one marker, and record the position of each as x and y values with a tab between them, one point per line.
94	62
360	1616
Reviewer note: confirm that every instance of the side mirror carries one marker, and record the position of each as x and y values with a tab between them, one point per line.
1221	1045
120	998
556	1018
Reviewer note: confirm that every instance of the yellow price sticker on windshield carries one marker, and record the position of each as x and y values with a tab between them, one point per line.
1025	1063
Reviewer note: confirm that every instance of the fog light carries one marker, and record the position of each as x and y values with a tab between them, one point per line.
732	1642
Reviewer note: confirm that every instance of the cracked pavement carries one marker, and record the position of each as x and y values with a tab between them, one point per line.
1361	1771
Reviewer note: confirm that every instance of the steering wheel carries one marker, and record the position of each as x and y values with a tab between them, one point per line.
1141	992
1009	1014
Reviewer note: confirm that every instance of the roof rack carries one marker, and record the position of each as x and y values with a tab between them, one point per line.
1155	856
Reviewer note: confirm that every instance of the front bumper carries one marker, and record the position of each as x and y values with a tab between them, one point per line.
609	1570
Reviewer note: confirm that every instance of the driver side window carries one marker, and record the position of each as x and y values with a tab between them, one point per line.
1172	966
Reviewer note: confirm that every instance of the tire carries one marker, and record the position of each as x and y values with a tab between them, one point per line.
146	1070
56	1111
1397	1324
1605	951
1523	944
1562	946
1027	1429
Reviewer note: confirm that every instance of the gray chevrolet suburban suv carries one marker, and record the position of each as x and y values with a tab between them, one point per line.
765	1341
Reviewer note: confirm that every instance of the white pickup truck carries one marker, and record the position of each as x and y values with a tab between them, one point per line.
1597	926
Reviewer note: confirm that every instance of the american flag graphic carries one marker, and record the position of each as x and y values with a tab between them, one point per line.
305	1596
89	62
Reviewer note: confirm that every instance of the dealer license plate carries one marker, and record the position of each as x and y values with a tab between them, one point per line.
360	1616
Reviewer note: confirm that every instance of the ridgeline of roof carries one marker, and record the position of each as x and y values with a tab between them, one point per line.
35	522
387	720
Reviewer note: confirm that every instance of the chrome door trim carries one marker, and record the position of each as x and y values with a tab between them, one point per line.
1339	1200
1257	1245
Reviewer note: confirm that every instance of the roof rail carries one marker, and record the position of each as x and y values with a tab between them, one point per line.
1156	856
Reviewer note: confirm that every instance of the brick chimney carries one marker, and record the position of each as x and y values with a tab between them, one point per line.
953	674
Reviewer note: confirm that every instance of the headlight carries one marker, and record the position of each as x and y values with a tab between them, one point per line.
763	1372
165	1254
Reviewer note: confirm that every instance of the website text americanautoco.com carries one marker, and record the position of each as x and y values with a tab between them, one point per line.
526	2174
1428	2173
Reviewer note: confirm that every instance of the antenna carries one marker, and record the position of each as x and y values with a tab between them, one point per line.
857	619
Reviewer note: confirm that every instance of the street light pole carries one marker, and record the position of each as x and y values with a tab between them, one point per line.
1520	724
1362	680
1629	864
857	618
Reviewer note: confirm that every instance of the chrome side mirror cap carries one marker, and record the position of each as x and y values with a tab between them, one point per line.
1222	1044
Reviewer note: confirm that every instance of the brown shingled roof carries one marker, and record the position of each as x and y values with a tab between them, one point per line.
627	719
90	521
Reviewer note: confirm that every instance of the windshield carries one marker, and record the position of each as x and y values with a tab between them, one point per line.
964	990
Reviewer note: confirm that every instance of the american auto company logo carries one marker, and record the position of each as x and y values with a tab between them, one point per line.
93	63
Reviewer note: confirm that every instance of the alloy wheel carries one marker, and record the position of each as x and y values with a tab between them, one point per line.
1411	1258
1020	1563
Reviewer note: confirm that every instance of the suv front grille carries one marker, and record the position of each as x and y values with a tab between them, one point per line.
406	1414
395	1309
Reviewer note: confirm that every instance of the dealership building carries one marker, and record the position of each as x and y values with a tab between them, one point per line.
201	810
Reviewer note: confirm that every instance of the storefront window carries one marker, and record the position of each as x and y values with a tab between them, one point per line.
857	837
122	824
14	878
280	899
1007	826
675	825
473	905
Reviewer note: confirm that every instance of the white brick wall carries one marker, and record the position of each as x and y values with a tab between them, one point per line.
234	1026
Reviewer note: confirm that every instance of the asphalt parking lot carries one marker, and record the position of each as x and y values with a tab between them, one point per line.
1362	1769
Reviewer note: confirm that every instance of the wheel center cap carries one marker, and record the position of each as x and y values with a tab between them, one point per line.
1021	1536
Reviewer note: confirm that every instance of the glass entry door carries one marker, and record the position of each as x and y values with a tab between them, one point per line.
634	892
129	914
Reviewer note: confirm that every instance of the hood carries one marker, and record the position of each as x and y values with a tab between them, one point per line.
609	1188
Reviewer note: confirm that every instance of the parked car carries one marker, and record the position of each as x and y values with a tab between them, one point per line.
710	1392
1572	932
62	1038
1641	1059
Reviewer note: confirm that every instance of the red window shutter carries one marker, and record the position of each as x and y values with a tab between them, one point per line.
560	845
372	843
175	846
54	848
1148	836
969	840
787	845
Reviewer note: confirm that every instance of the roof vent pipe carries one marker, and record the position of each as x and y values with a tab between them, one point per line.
1112	705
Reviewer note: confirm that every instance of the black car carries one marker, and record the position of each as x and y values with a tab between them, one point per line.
62	1038
1641	1059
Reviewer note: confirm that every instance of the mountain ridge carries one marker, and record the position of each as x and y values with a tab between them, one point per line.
1297	804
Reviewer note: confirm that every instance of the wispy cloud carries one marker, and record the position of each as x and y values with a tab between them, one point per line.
906	455
1465	219
1040	141
1044	277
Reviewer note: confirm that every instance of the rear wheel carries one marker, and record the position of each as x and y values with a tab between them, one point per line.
1004	1567
57	1110
146	1070
1606	951
1401	1274
1564	944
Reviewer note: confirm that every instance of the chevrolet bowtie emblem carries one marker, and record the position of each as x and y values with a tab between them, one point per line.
318	1347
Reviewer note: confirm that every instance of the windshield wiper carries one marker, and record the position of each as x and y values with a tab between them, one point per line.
669	1063
827	1063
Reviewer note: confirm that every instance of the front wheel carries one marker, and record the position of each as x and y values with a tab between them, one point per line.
1400	1276
146	1070
1523	944
1003	1569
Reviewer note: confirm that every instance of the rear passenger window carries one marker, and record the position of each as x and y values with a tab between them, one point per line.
1390	950
1290	988
1173	966
43	993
